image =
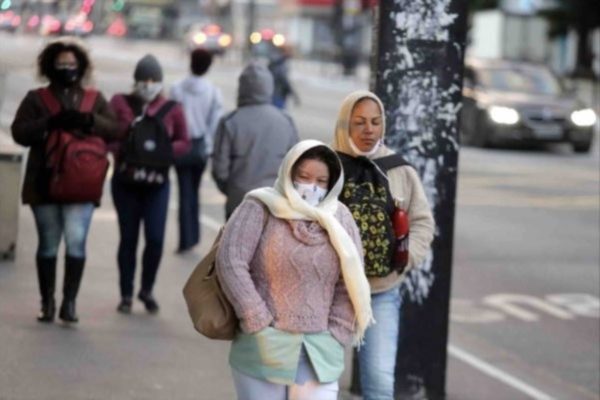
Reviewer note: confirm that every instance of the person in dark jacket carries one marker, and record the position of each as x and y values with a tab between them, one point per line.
66	65
279	67
252	140
138	203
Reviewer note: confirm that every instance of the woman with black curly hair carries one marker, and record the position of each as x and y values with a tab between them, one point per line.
65	64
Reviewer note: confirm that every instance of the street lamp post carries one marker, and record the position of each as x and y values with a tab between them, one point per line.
250	28
417	68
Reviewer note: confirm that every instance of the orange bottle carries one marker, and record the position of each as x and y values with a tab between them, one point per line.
401	226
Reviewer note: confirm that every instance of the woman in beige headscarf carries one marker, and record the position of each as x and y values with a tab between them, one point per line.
374	178
290	262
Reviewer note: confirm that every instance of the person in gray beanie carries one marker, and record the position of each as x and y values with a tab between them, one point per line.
252	140
146	201
148	78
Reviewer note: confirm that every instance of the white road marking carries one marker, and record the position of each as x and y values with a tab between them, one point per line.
511	304
498	374
497	307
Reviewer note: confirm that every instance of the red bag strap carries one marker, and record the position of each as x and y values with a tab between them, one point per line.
88	101
54	106
49	100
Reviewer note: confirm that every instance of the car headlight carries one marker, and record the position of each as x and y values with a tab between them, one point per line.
199	38
224	40
279	40
585	117
255	37
503	115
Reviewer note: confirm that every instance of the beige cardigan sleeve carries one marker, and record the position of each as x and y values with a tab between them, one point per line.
405	183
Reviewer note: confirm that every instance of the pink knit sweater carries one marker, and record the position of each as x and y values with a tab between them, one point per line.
286	275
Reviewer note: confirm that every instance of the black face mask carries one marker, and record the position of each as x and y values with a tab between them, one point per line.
66	76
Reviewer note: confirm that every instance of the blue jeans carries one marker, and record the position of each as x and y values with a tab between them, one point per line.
377	356
134	205
55	220
188	179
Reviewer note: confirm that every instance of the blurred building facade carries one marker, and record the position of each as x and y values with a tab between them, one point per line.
544	31
314	29
338	30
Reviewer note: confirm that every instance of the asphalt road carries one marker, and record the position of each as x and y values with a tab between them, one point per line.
526	282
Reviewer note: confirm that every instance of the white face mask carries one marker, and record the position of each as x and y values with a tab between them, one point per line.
359	152
310	192
147	91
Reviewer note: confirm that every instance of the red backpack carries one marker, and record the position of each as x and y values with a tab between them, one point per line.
77	165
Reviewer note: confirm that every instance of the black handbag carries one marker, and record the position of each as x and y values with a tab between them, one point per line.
196	155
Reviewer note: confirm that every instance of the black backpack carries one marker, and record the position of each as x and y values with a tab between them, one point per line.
367	195
147	153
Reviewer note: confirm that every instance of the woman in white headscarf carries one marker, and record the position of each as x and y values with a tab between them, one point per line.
374	178
290	262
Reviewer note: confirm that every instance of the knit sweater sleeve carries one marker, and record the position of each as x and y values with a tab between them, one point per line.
342	316
238	245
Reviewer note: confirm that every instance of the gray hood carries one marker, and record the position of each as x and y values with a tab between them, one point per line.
255	85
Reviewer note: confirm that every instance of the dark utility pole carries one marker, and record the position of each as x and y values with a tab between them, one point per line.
348	25
417	72
249	29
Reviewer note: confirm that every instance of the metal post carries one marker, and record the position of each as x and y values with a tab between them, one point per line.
347	30
417	72
250	29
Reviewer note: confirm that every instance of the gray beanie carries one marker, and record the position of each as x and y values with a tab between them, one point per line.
148	68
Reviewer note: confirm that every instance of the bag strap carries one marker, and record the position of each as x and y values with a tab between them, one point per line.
88	100
54	106
129	100
164	109
213	265
267	215
49	100
390	162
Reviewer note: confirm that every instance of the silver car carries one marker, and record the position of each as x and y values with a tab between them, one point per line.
507	102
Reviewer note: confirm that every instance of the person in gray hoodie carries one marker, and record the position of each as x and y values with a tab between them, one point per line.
203	106
252	140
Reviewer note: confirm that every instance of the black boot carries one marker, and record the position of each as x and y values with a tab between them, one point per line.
124	306
73	274
149	301
46	272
